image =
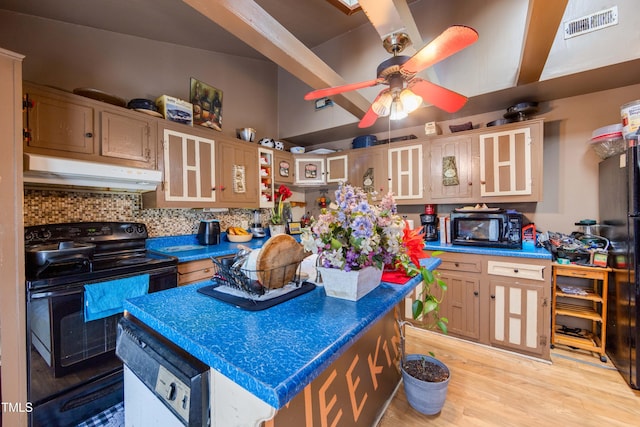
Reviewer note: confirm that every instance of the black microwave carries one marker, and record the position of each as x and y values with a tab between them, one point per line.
498	229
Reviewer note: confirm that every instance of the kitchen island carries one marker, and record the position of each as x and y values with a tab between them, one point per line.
313	360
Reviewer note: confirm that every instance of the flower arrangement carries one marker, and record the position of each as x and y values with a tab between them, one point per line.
281	195
353	233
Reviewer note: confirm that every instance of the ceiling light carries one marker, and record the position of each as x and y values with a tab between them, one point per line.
382	105
397	110
410	101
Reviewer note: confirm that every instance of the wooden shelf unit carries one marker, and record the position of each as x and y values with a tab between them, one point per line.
593	286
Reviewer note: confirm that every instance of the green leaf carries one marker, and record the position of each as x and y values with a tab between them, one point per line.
442	284
429	306
442	325
335	244
416	308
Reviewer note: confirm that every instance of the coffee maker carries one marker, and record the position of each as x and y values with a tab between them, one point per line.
429	222
256	227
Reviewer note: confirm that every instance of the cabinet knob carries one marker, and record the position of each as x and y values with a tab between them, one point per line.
456	264
515	270
475	293
88	135
493	297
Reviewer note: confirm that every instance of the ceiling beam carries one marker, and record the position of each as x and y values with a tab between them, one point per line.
543	20
253	25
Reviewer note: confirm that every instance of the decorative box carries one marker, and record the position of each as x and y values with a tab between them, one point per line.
175	109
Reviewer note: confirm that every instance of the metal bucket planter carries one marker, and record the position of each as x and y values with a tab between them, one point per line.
425	397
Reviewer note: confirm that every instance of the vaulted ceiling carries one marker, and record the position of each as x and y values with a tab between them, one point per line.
290	32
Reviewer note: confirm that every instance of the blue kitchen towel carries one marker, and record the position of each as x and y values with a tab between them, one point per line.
105	298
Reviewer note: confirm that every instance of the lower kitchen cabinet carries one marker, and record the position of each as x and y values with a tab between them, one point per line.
195	271
499	301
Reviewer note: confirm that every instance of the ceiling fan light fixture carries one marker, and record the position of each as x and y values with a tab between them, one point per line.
397	110
382	105
410	101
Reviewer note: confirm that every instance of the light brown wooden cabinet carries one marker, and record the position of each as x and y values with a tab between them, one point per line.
237	171
63	124
502	164
266	177
195	271
406	172
499	301
59	123
450	169
189	166
309	169
284	167
337	168
368	168
129	136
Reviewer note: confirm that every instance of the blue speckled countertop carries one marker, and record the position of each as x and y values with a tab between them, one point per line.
525	252
273	353
226	248
175	245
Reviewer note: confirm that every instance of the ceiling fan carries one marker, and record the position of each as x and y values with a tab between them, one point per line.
406	91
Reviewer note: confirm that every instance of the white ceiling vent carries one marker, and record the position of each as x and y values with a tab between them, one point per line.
593	22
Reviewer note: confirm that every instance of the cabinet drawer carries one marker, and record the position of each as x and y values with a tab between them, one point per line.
194	271
463	265
512	269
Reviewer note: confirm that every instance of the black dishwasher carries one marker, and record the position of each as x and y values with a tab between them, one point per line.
156	370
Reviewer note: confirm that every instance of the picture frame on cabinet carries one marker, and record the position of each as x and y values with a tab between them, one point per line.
207	104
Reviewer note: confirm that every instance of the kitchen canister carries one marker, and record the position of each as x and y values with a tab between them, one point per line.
630	114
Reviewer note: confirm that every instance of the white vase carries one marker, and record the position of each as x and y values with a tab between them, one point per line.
349	285
276	229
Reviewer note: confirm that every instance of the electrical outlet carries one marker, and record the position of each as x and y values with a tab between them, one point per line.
244	223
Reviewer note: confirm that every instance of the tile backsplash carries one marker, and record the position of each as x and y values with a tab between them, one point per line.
56	206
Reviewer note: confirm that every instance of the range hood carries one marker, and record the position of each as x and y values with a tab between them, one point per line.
58	171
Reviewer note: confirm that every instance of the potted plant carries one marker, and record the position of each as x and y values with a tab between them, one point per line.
354	237
277	220
426	379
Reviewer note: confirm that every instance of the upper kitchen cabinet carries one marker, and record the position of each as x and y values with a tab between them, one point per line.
309	170
58	123
406	174
129	136
237	174
511	163
266	176
368	169
189	164
337	168
502	164
283	167
450	169
63	124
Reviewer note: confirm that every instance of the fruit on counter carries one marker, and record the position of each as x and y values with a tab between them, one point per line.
237	231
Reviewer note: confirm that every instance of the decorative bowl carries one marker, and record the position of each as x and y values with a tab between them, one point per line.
297	150
246	134
242	238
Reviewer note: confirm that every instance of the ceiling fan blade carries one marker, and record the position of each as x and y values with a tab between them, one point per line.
372	114
439	96
369	119
321	93
452	40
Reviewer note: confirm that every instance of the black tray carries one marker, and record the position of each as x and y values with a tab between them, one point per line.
252	304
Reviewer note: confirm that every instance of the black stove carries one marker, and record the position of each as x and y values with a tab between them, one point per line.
120	249
72	367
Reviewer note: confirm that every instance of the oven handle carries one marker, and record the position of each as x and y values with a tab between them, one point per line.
79	288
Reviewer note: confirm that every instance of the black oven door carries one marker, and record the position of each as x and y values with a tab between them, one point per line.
67	352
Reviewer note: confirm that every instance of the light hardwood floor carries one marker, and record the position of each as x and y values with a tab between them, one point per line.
490	387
